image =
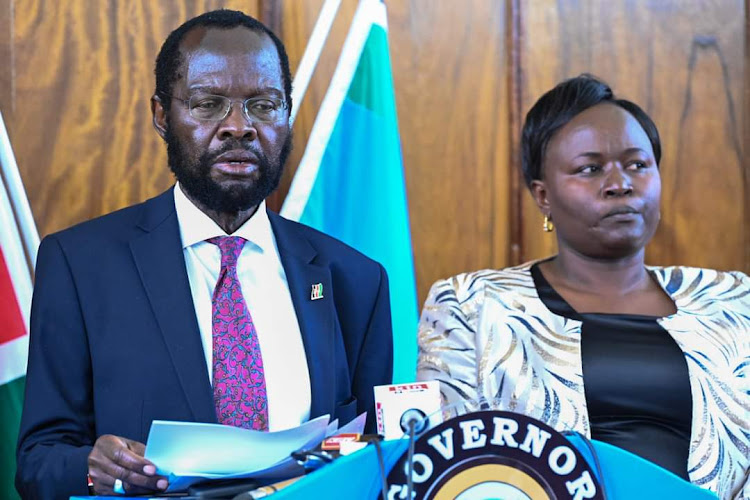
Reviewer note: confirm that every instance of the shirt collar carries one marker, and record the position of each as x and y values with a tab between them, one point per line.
196	226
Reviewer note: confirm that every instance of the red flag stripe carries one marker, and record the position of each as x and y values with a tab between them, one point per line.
11	321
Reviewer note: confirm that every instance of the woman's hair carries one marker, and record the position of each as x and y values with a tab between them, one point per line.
559	106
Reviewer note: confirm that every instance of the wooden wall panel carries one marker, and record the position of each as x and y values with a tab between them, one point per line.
451	86
79	76
746	141
448	62
78	115
684	63
6	38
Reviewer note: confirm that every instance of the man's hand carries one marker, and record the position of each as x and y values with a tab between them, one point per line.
119	458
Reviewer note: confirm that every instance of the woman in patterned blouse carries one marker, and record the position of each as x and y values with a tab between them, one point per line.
655	360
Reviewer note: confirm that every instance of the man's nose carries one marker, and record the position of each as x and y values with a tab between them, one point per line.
618	183
236	124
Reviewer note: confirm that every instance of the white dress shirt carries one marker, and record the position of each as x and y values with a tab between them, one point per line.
266	291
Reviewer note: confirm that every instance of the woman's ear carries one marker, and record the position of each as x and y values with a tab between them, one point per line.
539	192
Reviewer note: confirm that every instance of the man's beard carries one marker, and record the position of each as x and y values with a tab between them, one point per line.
195	176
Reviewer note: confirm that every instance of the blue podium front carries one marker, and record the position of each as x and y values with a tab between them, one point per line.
625	476
620	475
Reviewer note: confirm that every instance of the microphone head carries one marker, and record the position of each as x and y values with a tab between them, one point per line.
413	417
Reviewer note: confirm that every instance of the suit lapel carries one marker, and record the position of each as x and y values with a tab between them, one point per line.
161	265
315	317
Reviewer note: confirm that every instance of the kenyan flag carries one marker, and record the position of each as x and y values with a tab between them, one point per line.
18	245
13	345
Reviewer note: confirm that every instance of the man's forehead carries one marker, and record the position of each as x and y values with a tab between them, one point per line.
215	38
233	42
211	50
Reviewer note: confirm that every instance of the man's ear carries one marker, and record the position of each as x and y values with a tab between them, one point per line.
539	192
159	116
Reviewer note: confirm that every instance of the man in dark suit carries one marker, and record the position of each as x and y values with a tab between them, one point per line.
155	312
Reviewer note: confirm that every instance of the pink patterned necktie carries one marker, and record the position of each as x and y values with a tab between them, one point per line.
238	380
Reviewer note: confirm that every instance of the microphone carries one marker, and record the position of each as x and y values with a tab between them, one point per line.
413	417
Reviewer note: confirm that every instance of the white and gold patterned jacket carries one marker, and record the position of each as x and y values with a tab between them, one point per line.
487	334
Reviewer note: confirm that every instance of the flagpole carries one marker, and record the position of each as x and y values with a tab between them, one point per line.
312	54
18	200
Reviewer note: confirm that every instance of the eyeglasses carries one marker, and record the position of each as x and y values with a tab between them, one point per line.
214	108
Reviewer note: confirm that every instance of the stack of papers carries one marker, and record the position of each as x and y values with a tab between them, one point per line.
188	453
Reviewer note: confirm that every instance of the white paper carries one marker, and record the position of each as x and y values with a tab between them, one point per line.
332	427
191	452
356	426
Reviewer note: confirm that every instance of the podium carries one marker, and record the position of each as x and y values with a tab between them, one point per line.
620	474
625	476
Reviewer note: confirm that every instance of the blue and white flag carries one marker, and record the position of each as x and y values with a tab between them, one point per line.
350	182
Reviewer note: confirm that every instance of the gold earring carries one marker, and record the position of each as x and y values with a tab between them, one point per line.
548	226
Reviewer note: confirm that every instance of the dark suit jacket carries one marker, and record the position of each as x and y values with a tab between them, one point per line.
115	342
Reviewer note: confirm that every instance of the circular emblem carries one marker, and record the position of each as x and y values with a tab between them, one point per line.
494	455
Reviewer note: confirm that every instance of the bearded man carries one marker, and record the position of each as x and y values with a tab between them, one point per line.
199	304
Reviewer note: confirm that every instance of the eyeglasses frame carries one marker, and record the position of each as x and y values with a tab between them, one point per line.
250	117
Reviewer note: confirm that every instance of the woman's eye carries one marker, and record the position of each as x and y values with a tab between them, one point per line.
589	169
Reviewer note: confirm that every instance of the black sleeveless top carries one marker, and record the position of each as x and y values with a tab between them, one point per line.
635	380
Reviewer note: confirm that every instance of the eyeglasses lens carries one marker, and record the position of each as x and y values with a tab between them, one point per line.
216	108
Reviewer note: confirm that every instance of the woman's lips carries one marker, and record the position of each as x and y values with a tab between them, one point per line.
623	216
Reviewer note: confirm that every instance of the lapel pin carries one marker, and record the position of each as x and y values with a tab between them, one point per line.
317	291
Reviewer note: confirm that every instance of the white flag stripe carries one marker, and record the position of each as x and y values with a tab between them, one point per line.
17	195
14	355
312	53
368	12
10	242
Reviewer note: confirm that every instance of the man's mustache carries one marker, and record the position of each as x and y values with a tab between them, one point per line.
234	145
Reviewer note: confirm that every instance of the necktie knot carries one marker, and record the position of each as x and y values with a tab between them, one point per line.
231	248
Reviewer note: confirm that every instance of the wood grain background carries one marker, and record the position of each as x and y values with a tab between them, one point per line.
76	101
78	76
684	63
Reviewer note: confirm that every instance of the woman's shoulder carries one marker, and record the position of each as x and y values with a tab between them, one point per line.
686	280
469	283
680	274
